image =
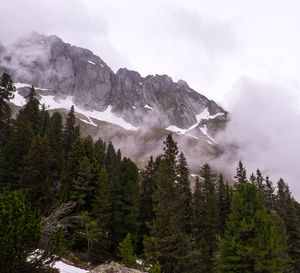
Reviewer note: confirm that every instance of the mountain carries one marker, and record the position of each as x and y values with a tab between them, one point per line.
64	75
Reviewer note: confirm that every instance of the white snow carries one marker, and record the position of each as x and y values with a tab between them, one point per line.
133	107
65	268
18	99
55	103
203	115
204	131
140	83
20	85
194	175
101	65
91	62
147	106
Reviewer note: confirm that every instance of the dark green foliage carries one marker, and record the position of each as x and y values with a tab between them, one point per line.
82	185
223	204
70	131
7	90
184	206
101	213
31	112
146	212
251	242
19	231
241	176
126	252
156	268
269	195
33	175
125	202
286	209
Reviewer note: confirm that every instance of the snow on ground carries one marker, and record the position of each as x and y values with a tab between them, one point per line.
203	115
147	106
54	103
204	131
20	85
133	107
18	99
91	62
65	268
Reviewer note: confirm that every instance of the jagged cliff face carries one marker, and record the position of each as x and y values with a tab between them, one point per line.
65	70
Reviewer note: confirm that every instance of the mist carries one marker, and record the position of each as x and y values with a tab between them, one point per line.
263	132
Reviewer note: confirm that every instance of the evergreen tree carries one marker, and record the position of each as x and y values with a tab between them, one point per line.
101	212
81	186
31	112
183	186
259	180
125	202
100	152
7	90
156	268
45	121
70	131
241	176
19	231
126	252
251	243
146	210
33	175
223	204
269	195
286	209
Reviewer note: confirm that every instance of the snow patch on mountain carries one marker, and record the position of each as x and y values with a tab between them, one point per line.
52	102
147	106
204	131
65	268
91	62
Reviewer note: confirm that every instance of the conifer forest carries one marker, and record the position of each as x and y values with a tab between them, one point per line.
68	196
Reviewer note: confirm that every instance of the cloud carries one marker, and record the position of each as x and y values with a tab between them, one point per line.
265	127
213	35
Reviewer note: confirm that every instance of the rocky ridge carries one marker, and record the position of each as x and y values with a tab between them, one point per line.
156	100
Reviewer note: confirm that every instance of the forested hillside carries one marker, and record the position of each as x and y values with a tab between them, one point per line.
64	195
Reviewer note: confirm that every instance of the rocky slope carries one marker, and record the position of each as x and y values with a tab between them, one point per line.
65	72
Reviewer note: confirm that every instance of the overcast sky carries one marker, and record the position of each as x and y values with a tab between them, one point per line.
243	54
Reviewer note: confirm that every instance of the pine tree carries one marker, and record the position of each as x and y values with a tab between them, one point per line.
70	131
126	252
251	243
259	180
33	175
269	195
125	202
101	212
31	112
146	210
7	90
19	231
81	186
223	204
286	209
241	176
45	121
184	193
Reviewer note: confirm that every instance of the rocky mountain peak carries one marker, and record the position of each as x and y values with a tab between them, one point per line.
155	100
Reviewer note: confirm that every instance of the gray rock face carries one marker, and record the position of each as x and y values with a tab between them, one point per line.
113	267
47	62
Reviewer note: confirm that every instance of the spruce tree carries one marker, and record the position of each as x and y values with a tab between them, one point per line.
184	193
241	176
126	252
33	175
251	243
31	112
7	90
146	205
70	131
286	209
101	212
125	202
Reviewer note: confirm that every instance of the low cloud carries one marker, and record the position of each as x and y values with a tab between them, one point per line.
263	132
